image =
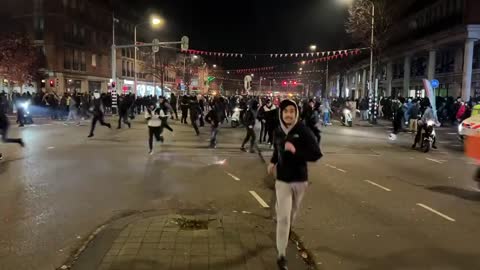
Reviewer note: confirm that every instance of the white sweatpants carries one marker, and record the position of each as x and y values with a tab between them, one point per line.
289	197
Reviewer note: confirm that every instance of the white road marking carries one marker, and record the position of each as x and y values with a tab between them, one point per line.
457	145
442	142
435	160
377	185
451	133
333	167
259	199
436	212
51	147
233	176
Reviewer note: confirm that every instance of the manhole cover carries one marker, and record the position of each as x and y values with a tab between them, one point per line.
191	224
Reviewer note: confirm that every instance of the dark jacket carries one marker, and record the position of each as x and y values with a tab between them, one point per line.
250	117
293	167
213	117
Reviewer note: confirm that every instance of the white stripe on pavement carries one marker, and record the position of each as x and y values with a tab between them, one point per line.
233	176
435	160
451	133
378	185
51	147
436	212
333	167
259	199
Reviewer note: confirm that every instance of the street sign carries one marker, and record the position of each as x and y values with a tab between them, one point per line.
184	44
435	83
156	48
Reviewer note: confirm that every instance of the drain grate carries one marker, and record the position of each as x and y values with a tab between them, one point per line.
191	224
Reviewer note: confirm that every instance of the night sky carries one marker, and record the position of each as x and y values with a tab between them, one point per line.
248	26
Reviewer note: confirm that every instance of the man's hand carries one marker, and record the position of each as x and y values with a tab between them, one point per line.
250	127
290	147
271	168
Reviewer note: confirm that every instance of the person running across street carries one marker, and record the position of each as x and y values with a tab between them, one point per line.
173	104
4	126
123	107
249	121
98	111
195	113
153	116
294	146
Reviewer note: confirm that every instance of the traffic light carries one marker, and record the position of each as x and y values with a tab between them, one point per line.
284	83
52	83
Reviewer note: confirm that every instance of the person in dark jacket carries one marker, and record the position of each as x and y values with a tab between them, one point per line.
294	146
214	117
123	107
249	121
166	108
98	111
184	104
4	126
195	112
270	114
173	104
310	117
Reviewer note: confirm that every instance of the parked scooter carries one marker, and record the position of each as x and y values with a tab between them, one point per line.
235	121
346	118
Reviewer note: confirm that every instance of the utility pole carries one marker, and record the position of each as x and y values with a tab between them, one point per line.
373	98
155	71
326	81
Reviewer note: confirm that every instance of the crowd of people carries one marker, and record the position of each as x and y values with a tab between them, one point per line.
289	126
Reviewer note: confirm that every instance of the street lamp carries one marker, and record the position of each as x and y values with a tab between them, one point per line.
214	66
154	21
313	47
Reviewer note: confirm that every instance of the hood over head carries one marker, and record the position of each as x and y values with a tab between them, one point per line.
285	103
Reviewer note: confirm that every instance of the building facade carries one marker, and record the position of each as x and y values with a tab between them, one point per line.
434	40
74	37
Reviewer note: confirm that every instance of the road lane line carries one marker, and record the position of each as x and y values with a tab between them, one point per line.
51	147
259	199
451	133
333	167
377	185
233	176
434	160
436	212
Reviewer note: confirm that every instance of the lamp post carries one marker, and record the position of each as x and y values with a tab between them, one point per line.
372	93
153	21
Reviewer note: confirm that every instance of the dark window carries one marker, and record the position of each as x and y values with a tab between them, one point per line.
76	60
83	65
124	72
39	26
94	37
67	58
75	30
73	3
65	3
82	33
476	56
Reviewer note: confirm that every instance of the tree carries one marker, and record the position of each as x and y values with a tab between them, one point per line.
18	59
359	24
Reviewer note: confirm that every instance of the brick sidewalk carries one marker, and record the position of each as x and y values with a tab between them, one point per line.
175	242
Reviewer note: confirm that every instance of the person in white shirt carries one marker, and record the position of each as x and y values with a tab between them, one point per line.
154	116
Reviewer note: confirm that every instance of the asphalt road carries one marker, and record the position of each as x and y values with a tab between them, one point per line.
372	204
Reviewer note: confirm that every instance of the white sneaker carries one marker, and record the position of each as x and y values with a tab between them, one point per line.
1	156
150	152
